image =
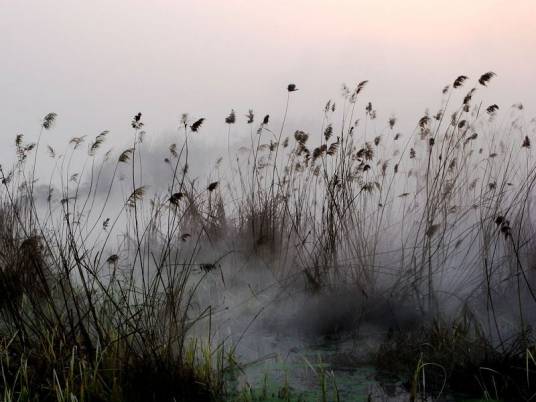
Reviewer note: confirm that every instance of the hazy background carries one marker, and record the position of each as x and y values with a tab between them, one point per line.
97	63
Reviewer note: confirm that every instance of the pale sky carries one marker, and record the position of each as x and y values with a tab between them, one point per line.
96	63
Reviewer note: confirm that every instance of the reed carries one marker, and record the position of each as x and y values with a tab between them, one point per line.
99	299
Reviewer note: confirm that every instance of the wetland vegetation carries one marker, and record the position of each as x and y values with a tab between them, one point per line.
354	263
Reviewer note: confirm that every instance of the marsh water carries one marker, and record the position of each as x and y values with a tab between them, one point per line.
306	347
327	370
317	372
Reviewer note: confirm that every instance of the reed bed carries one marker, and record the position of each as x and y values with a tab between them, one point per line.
100	299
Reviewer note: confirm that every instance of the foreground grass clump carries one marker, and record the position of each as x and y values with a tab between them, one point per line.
79	321
456	358
42	373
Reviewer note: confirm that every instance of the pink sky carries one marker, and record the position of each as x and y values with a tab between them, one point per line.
97	63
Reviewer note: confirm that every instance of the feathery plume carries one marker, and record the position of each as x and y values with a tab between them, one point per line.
125	155
485	78
328	132
185	236
458	82
492	109
377	140
173	150
231	119
250	116
112	259
360	86
392	122
175	198
136	122
197	124
48	121
332	150
99	140
291	88
136	196
76	141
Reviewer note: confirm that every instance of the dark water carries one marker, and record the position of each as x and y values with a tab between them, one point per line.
323	372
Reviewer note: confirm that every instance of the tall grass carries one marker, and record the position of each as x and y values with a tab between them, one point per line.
101	300
88	318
